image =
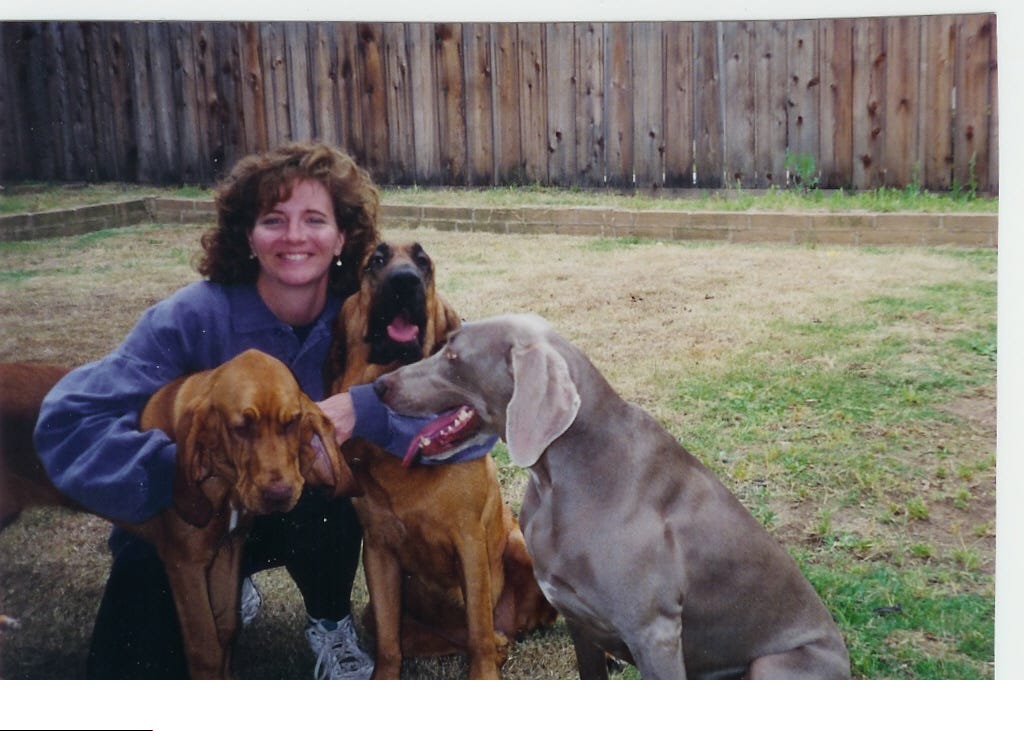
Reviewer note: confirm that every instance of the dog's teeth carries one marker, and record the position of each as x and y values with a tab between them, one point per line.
424	442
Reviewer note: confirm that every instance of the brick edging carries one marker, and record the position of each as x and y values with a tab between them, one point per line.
964	229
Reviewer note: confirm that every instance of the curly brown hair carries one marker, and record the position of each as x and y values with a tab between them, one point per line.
260	181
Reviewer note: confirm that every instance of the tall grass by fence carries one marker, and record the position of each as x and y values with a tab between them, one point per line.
853	103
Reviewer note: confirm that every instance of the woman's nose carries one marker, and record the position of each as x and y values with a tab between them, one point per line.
294	232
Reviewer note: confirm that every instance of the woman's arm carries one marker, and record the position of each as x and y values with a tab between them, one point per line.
88	435
88	439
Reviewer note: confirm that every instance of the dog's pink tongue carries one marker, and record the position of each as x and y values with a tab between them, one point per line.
402	331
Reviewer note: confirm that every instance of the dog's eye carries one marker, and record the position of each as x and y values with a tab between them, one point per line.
450	354
423	261
376	262
290	424
245	429
247	426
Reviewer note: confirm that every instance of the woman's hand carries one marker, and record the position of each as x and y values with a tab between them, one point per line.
342	414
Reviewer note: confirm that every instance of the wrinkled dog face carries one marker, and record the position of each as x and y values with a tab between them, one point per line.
398	278
261	442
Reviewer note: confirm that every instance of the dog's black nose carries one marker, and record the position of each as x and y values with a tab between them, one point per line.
406	282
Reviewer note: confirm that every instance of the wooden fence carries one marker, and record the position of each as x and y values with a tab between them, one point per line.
880	101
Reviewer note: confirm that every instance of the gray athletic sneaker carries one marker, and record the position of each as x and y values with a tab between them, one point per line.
251	601
338	655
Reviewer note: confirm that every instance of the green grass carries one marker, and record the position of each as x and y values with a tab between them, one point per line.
843	412
909	625
30	197
909	199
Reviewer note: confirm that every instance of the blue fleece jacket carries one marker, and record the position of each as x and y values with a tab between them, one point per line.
88	437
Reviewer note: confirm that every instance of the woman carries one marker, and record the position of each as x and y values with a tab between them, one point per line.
292	228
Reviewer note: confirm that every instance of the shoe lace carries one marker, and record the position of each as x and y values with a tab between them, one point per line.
339	652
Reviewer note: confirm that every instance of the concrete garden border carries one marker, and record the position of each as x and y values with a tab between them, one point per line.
845	228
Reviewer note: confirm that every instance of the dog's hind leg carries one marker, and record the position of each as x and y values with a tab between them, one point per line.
591	661
818	660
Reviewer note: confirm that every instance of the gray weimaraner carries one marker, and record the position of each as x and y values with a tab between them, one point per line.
642	549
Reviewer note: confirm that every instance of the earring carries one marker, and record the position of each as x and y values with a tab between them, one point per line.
252	254
338	263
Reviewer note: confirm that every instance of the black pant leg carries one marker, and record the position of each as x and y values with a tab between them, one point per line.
137	634
318	542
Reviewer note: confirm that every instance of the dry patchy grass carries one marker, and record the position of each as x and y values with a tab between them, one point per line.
654	317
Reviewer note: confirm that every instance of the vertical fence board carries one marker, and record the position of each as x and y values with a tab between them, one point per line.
401	152
533	110
188	121
41	77
452	93
226	71
11	166
212	102
144	132
836	159
560	87
974	93
80	88
708	92
424	105
903	53
374	103
992	182
805	88
679	95
507	122
648	99
275	82
207	101
99	103
323	72
869	68
297	81
254	105
588	41
476	42
771	103
938	53
165	102
619	104
738	116
349	109
63	119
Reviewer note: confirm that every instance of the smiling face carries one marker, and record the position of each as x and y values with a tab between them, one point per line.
295	241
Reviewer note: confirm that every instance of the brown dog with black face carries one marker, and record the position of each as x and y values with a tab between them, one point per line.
446	564
248	440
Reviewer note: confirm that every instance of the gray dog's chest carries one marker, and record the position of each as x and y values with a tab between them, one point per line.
566	567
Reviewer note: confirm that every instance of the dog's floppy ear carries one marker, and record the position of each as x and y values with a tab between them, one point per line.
320	460
334	366
544	401
193	466
445	320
